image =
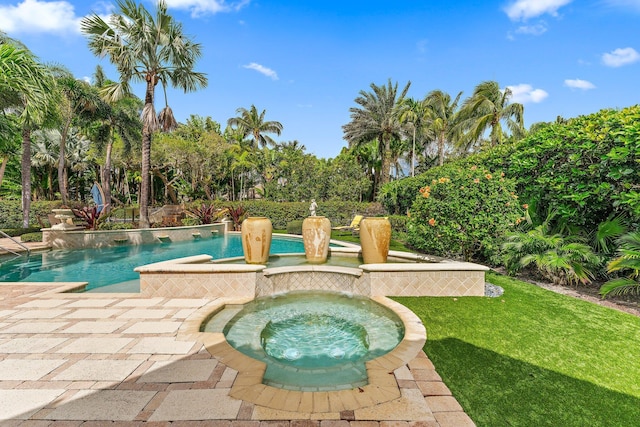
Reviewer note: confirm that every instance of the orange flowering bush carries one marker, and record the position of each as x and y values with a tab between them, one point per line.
464	213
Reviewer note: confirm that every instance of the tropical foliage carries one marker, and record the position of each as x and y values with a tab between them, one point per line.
559	259
583	170
377	117
26	87
464	213
150	49
627	261
250	123
487	108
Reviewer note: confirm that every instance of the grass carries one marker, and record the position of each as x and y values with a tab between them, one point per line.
534	358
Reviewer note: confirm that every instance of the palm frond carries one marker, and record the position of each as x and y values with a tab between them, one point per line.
619	287
167	120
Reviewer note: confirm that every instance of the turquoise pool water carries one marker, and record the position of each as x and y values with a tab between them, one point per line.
111	269
311	341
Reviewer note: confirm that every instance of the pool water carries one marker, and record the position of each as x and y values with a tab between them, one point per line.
311	341
111	269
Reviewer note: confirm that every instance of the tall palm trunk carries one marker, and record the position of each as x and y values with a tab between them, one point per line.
26	176
145	185
106	177
50	192
62	182
386	161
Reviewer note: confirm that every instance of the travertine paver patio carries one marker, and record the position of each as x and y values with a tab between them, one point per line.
120	360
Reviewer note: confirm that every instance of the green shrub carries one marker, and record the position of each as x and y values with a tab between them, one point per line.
295	227
14	232
116	226
560	259
31	237
190	221
204	213
584	170
628	262
398	223
464	213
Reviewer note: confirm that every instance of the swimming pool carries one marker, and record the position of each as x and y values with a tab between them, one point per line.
110	266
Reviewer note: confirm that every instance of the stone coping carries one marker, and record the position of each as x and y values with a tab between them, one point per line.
197	264
205	264
82	238
313	268
439	266
382	386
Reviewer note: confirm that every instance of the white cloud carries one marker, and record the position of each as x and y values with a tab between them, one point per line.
262	70
534	30
206	7
525	9
620	57
625	4
34	16
525	93
579	84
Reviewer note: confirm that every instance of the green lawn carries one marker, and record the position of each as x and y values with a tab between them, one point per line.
534	358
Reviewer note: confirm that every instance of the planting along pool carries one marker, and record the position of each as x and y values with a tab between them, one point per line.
110	269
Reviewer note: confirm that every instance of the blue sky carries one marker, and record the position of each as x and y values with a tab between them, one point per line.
304	62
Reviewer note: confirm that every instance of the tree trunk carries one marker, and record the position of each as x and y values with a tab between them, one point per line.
169	190
145	184
441	149
5	160
125	187
62	183
51	194
26	176
386	162
106	178
145	172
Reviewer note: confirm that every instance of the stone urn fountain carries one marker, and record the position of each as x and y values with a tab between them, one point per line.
65	216
256	239
316	234
375	237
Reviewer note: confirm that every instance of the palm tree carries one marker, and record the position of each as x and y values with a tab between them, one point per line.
78	99
368	157
147	49
243	159
629	260
250	123
377	118
120	119
9	141
560	259
486	109
25	86
444	115
418	115
45	149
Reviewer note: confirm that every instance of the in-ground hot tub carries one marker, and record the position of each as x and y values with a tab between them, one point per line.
250	385
311	341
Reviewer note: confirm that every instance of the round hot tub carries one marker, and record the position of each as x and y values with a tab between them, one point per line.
311	341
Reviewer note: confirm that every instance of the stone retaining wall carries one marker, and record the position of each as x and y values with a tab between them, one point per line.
61	239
